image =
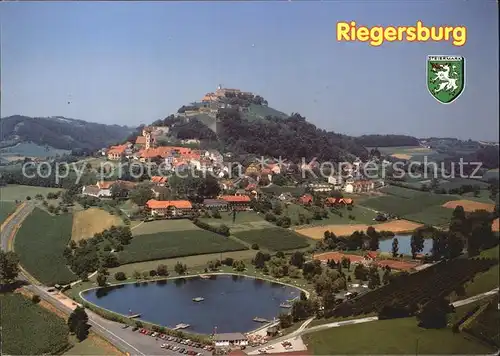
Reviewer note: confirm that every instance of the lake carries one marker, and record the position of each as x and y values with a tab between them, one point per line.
404	242
231	302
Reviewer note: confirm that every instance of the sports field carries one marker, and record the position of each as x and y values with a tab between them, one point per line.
396	226
88	222
14	192
469	205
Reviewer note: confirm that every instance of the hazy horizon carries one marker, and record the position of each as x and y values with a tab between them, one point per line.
136	62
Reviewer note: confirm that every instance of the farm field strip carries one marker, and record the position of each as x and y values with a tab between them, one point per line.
275	239
40	243
32	329
164	226
170	244
469	205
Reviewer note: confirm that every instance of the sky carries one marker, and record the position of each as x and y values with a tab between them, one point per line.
129	63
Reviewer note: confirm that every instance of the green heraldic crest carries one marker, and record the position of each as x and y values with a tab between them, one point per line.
445	77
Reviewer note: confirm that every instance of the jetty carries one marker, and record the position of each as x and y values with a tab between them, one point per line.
261	320
198	299
181	326
285	305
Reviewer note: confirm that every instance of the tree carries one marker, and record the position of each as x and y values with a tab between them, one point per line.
120	276
81	330
434	314
260	259
76	316
373	277
101	279
361	272
395	247
455	244
416	243
180	268
136	275
9	267
374	238
141	194
162	270
297	259
386	277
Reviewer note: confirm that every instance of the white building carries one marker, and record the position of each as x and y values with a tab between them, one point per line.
230	339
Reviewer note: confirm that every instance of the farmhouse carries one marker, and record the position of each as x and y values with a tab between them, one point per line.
159	180
230	339
362	186
103	189
306	199
338	201
238	202
169	208
218	204
115	153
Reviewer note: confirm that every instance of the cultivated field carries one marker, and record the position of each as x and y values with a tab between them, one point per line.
245	220
6	208
469	205
171	244
40	243
162	226
434	215
14	192
88	222
29	329
396	226
274	238
391	337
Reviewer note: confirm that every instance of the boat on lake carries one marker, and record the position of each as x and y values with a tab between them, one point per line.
198	299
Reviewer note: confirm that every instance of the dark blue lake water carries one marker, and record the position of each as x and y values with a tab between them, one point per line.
231	302
404	243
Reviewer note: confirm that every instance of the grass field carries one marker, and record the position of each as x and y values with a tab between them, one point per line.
93	345
159	226
40	243
396	226
469	205
88	222
29	329
275	239
14	192
171	244
6	208
245	220
361	215
391	337
194	263
458	182
433	215
485	281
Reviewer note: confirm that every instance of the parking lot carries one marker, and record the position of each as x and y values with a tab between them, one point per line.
161	344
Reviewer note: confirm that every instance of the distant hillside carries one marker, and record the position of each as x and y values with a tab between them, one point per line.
59	132
387	140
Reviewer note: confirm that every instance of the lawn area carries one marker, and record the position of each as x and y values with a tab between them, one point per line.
195	263
128	207
88	222
14	192
93	345
485	281
390	337
40	243
29	329
274	238
6	208
169	244
159	226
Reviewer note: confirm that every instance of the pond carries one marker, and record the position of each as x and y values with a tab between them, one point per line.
230	302
404	243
